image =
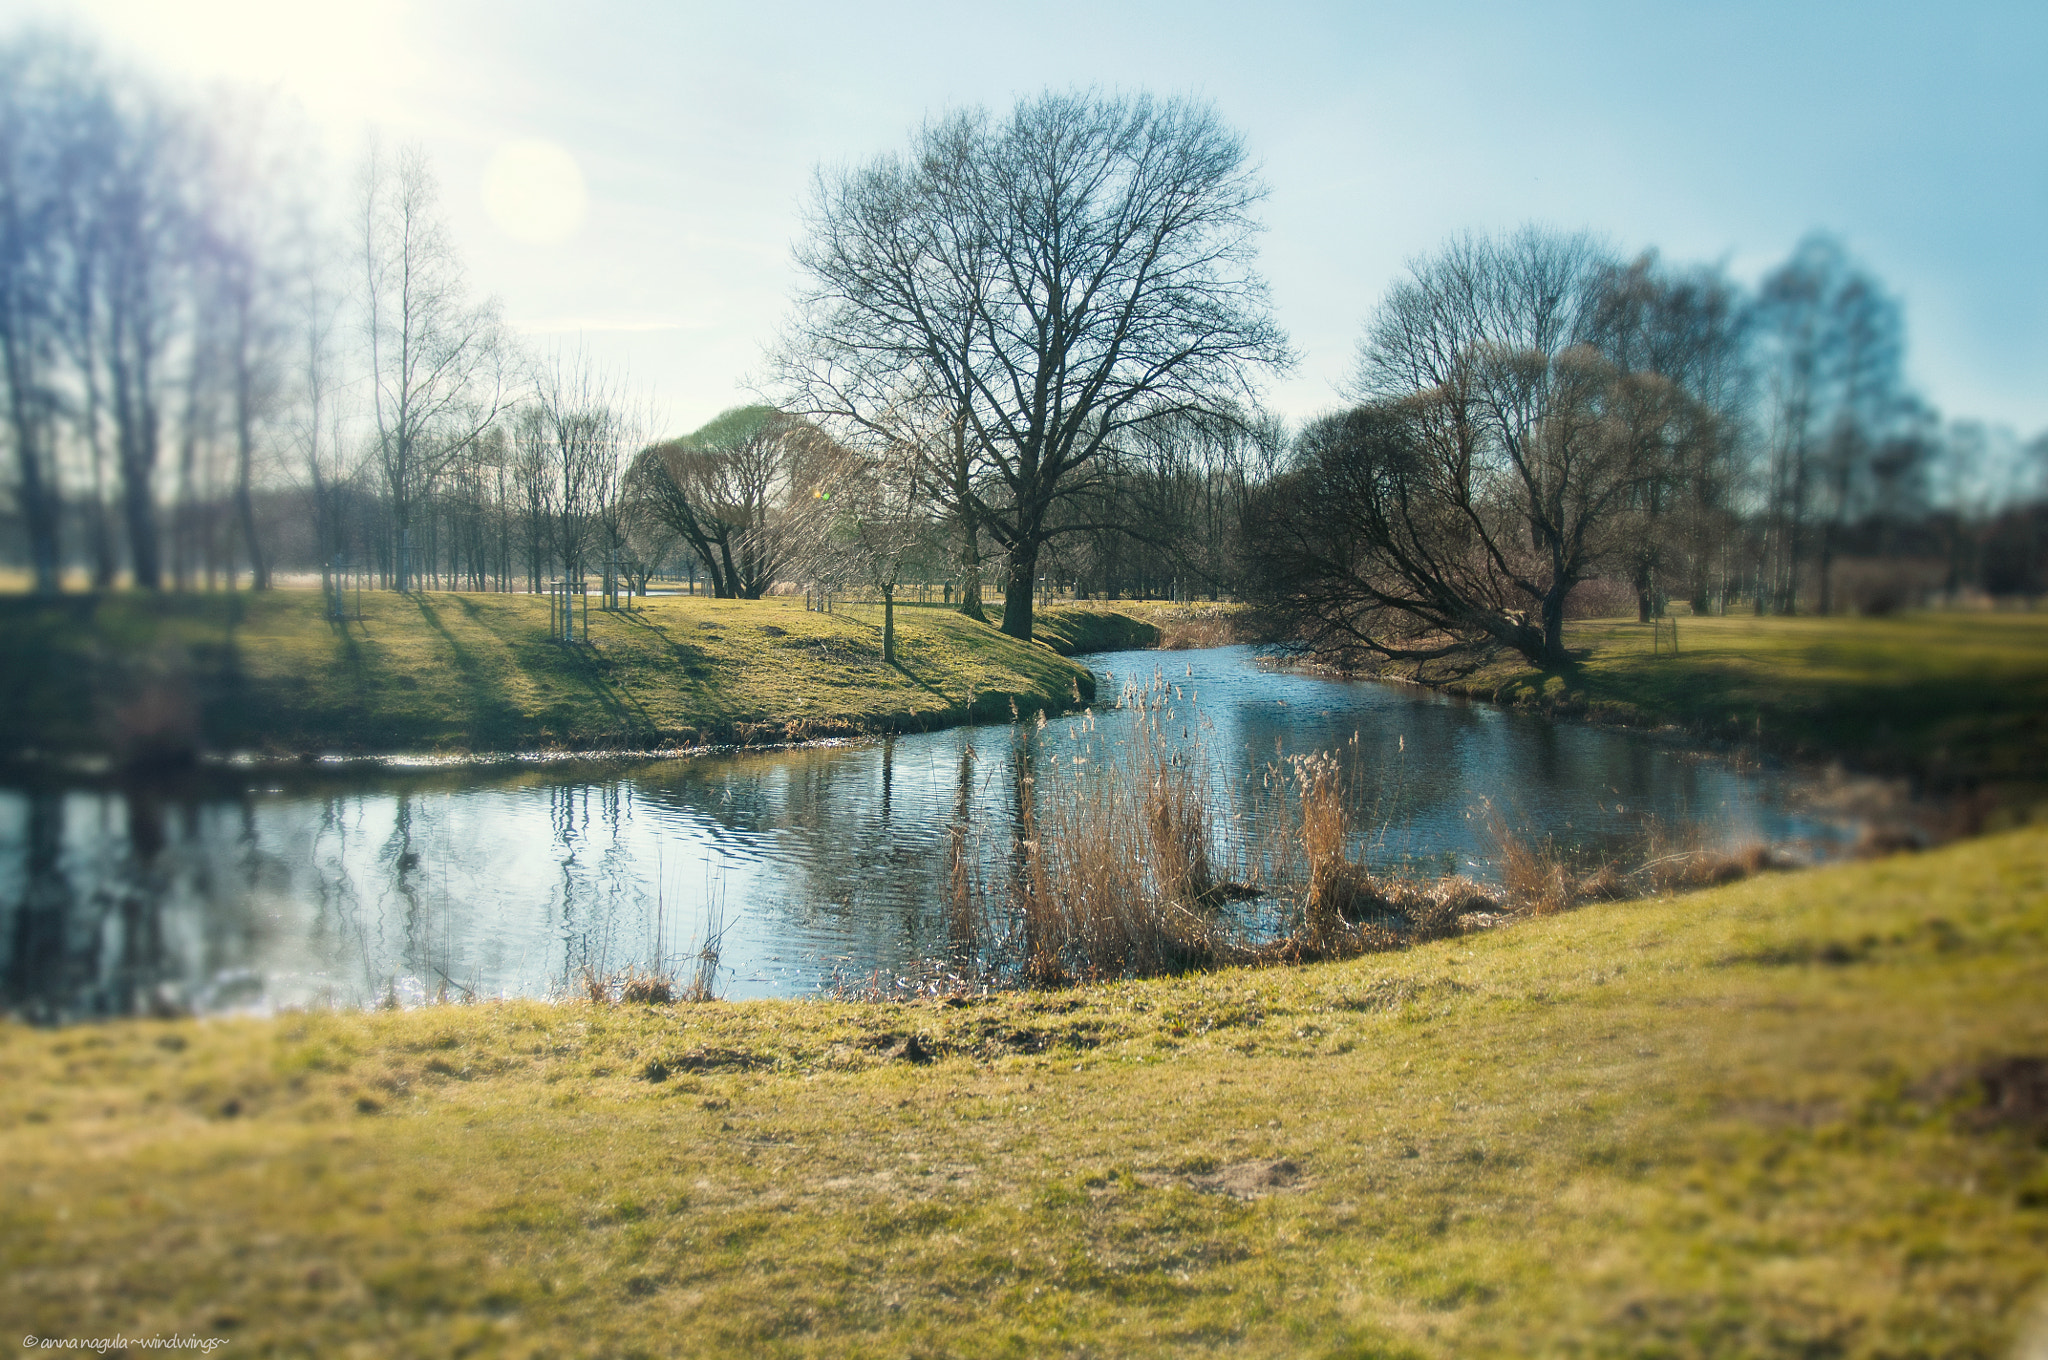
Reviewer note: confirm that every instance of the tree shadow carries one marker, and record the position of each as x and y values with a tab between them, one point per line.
696	664
492	717
577	663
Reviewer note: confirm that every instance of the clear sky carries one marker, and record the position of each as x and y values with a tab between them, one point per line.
1917	133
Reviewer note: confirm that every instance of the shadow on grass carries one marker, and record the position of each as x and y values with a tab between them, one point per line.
576	664
493	720
709	696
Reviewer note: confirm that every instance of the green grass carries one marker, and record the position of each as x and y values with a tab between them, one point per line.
132	673
1953	699
1119	625
1734	1123
1072	629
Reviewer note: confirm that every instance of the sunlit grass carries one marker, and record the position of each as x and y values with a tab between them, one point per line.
1737	1122
1956	698
448	671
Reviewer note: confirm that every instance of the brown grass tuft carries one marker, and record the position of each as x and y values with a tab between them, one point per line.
650	988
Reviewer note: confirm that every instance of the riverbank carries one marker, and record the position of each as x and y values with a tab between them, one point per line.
1956	702
1131	625
1791	1115
143	678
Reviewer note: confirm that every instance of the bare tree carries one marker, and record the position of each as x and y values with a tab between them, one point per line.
567	430
436	359
1499	459
246	277
148	242
40	81
319	449
874	520
1055	277
1687	326
1832	344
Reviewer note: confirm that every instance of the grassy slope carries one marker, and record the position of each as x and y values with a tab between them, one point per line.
1120	624
1072	629
1954	698
475	672
1702	1126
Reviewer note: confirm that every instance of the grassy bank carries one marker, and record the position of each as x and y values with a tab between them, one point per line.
137	675
1749	1121
1953	699
1121	625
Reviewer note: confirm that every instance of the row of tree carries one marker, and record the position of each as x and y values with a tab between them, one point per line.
186	329
1028	348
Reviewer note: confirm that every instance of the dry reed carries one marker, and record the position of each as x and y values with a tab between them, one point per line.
1118	868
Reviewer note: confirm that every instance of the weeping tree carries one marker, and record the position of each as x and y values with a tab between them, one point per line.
726	490
1499	457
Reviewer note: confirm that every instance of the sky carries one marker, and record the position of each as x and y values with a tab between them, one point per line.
629	178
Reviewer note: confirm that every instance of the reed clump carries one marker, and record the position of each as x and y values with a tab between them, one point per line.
1123	867
1115	875
1120	869
649	988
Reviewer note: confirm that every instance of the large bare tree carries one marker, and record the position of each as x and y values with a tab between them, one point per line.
1056	277
1497	461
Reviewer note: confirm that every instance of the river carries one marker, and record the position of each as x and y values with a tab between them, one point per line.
259	888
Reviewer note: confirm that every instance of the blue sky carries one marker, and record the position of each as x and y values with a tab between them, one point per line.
1919	134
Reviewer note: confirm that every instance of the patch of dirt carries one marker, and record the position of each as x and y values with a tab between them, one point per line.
1240	1180
902	1048
1832	952
2015	1094
702	1060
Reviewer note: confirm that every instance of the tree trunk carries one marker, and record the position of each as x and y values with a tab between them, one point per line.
1553	624
245	502
1019	590
139	505
38	501
1826	570
889	625
970	568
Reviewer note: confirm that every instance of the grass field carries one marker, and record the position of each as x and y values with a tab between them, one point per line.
139	675
1750	1121
1954	699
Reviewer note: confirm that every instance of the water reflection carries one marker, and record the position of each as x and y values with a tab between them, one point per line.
304	888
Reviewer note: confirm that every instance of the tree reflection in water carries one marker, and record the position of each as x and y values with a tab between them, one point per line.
351	889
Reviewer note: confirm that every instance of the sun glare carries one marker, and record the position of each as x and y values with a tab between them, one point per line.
534	191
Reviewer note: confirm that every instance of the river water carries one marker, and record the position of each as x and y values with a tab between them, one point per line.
261	888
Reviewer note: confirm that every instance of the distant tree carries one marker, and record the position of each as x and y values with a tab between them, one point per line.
1831	345
1688	327
42	84
574	434
722	489
873	521
437	360
246	278
1054	278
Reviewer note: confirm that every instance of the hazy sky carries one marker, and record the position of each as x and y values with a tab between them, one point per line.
1918	133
